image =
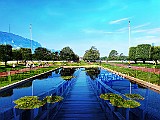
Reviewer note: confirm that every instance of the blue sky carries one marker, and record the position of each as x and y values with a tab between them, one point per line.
81	24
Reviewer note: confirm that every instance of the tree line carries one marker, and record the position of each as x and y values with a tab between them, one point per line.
140	52
144	52
41	53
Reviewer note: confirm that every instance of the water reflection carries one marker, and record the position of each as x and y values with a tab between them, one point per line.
67	71
6	93
92	72
150	106
28	84
41	84
57	71
45	76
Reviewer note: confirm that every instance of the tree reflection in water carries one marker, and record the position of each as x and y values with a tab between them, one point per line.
67	71
92	72
6	93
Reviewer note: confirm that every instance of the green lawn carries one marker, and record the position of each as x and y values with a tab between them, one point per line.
20	76
146	76
9	68
147	65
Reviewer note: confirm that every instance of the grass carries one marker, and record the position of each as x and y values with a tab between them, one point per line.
81	63
20	76
4	68
146	76
147	65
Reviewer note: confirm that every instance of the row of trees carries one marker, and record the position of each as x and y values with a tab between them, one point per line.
114	55
40	53
144	52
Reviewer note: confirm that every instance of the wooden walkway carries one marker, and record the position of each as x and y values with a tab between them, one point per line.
81	103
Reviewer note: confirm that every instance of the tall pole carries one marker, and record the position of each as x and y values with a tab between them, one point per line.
31	39
31	36
129	42
129	35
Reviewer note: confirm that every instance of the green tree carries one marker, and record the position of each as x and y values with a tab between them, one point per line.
5	53
113	55
56	56
41	53
132	54
26	54
155	53
122	57
67	54
75	58
16	54
104	58
143	52
92	54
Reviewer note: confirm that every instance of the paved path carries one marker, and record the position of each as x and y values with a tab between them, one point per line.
153	70
81	103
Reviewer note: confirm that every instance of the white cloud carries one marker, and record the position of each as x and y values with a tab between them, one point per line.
138	31
96	31
118	21
143	25
155	30
122	30
148	31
